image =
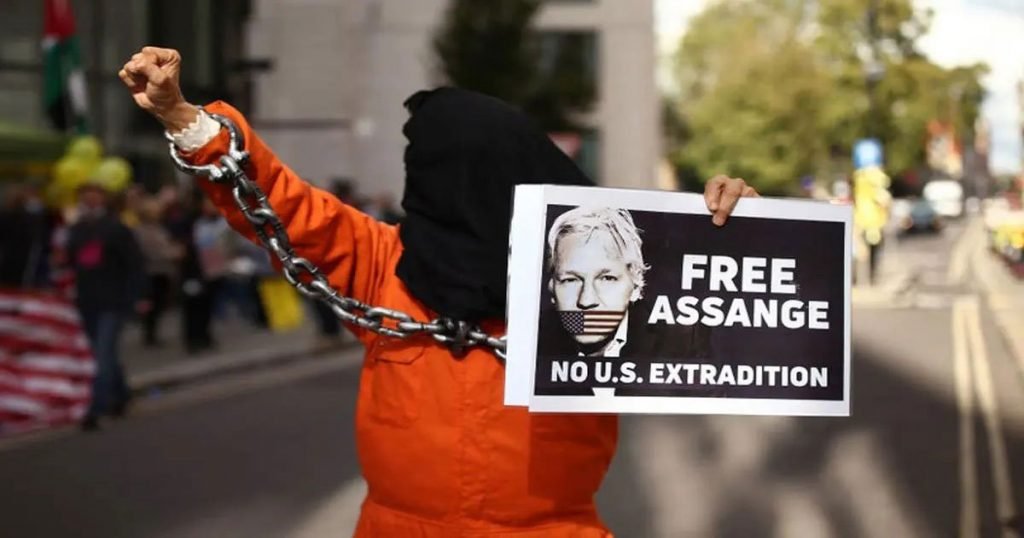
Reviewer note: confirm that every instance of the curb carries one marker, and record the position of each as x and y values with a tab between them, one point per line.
1007	310
220	364
1011	321
211	367
997	285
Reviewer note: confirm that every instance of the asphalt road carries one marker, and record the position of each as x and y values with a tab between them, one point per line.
934	446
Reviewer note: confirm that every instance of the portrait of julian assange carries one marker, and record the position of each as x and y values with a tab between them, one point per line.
593	303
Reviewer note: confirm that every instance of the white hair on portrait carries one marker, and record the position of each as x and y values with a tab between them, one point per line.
619	225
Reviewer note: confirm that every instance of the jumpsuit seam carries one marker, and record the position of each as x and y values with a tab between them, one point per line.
465	434
488	454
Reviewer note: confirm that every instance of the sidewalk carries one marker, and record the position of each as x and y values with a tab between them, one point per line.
1005	296
240	346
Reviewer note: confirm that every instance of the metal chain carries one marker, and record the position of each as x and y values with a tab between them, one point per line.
304	275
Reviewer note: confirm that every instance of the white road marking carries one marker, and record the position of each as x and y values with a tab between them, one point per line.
990	412
337	515
857	473
960	256
969	522
684	496
252	517
800	513
932	301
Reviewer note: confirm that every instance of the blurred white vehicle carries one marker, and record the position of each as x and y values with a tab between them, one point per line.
946	197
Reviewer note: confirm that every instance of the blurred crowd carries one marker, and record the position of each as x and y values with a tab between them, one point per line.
191	263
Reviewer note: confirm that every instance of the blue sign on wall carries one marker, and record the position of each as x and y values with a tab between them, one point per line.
867	152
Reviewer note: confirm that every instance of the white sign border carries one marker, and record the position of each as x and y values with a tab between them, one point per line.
605	401
525	273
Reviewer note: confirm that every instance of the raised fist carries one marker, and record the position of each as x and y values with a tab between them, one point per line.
152	77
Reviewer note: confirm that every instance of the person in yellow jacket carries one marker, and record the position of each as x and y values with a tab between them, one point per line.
871	201
441	454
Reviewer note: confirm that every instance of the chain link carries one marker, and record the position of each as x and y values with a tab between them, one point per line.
304	275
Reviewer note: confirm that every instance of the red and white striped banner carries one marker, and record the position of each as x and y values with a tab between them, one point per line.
46	367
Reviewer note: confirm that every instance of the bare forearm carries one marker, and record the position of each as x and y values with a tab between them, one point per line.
179	117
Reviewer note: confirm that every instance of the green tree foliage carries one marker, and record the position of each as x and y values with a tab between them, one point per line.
774	90
751	94
492	48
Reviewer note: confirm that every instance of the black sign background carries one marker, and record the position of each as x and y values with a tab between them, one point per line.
818	248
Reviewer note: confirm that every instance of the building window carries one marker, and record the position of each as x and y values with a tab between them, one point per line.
213	46
569	54
568	65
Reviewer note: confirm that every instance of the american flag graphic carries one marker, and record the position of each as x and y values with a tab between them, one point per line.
597	322
46	367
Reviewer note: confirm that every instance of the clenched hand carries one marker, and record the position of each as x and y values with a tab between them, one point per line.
152	77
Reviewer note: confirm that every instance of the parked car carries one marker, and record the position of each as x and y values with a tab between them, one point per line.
921	217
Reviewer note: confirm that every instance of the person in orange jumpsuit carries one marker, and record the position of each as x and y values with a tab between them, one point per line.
441	455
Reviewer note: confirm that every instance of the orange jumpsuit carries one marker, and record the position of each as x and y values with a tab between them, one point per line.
441	454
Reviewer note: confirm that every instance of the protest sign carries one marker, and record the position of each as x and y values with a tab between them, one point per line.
630	301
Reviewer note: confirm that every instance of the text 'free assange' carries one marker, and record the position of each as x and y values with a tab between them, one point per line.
749	275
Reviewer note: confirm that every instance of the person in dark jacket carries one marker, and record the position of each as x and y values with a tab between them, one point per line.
25	245
109	285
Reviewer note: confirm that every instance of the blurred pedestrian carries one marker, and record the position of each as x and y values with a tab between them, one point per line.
128	204
25	242
344	190
382	208
248	265
109	286
513	473
161	255
329	332
207	269
181	211
872	203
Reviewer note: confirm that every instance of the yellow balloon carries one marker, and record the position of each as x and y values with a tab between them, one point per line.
68	175
86	148
113	173
70	172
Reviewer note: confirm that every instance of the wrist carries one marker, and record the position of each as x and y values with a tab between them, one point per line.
178	117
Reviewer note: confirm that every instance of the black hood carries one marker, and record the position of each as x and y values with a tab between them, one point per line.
466	154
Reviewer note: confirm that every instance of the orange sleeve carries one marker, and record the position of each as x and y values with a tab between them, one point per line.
351	248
